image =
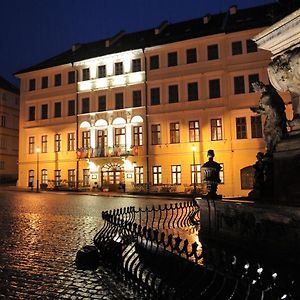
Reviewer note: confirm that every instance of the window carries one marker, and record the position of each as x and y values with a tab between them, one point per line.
3	143
194	131
71	77
212	52
71	107
136	98
44	176
2	165
155	130
71	141
172	59
57	80
57	142
31	144
86	74
57	109
174	133
101	71
216	129
119	101
44	114
31	113
236	48
137	135
44	82
176	174
31	84
86	177
44	144
57	178
196	174
118	68
85	105
101	142
173	93
120	137
192	91
71	177
30	178
157	175
214	88
256	127
86	139
239	85
138	175
3	121
251	46
102	103
136	65
191	56
241	128
155	96
221	173
251	79
154	62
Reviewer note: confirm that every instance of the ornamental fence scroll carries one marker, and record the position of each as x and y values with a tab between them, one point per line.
144	246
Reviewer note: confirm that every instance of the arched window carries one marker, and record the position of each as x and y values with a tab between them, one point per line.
85	124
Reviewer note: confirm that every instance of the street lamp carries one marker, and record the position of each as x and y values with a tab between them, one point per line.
194	169
38	150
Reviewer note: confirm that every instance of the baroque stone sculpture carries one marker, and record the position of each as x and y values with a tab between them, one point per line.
272	106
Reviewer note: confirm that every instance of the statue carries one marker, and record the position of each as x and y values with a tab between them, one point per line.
211	175
271	105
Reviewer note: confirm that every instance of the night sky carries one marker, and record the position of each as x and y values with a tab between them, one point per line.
34	30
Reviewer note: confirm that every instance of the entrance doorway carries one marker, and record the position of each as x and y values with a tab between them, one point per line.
112	177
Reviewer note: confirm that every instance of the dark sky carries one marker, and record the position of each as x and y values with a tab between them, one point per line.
34	30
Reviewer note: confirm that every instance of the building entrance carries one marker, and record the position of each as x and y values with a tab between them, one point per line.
112	177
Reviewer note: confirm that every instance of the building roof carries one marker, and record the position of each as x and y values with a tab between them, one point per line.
6	85
227	22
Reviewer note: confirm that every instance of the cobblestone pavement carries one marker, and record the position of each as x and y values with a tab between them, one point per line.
40	234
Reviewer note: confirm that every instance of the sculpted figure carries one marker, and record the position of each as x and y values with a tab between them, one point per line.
272	106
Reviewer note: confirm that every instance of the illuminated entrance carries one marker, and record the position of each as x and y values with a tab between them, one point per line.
112	176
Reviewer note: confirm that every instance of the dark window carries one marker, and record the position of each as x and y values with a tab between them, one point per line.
256	127
214	88
102	71
44	82
102	103
157	175
57	79
119	101
71	77
174	133
172	59
86	74
71	107
192	91
31	113
44	114
241	128
155	96
136	98
237	48
137	135
251	46
194	131
216	129
173	93
191	56
118	68
57	109
31	84
212	52
155	130
252	78
154	62
136	65
239	85
85	105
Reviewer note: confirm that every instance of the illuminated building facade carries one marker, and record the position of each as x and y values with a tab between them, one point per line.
9	131
127	111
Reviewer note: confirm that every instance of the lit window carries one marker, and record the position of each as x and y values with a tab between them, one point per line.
44	144
216	129
71	141
174	133
86	177
31	144
71	178
176	174
137	135
157	175
194	131
44	176
57	178
196	174
57	142
86	139
138	175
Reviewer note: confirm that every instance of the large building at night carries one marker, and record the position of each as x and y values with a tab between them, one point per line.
145	107
9	131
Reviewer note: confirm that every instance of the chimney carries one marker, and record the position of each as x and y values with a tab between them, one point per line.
114	39
233	10
76	47
161	27
206	19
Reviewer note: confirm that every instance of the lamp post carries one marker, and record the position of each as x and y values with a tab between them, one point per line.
194	167
38	150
